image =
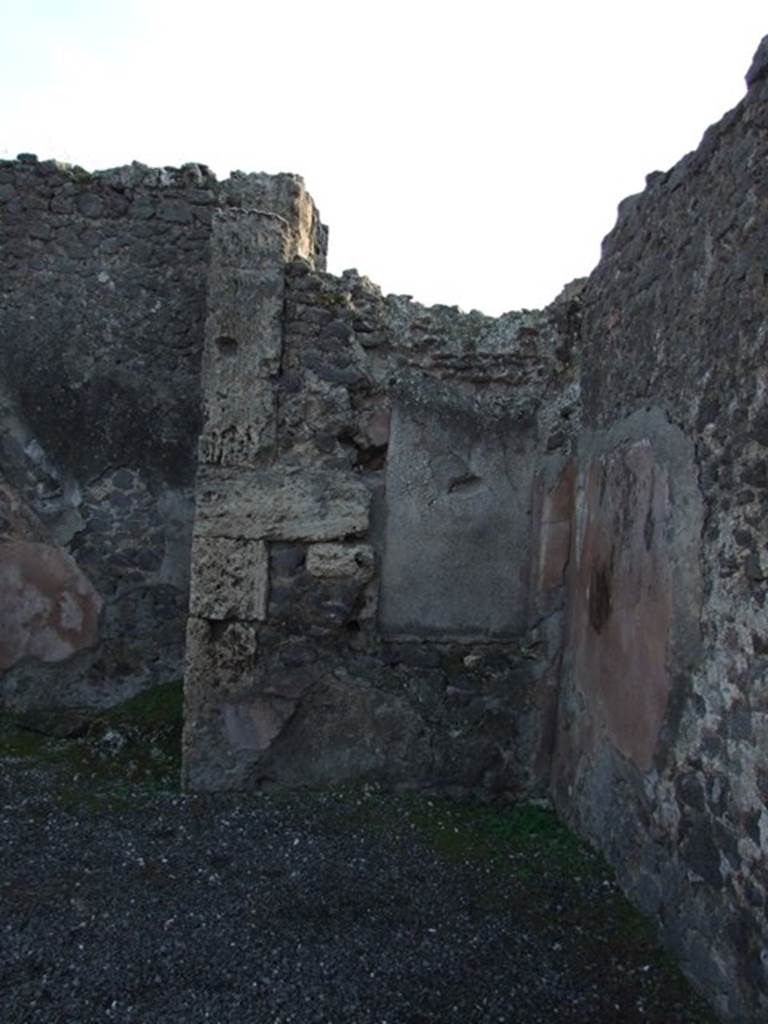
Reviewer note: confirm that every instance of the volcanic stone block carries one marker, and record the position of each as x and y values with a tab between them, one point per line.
338	732
279	505
243	335
220	660
247	308
237	429
229	578
333	561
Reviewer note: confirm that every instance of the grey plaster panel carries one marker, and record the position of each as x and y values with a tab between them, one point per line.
457	536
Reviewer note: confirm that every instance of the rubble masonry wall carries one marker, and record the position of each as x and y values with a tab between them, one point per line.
515	557
661	756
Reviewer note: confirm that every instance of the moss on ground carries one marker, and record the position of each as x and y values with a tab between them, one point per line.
512	837
160	707
534	865
104	755
563	882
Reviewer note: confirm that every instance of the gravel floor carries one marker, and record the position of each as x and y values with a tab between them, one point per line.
121	903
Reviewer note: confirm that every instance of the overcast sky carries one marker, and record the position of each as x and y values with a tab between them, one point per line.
471	153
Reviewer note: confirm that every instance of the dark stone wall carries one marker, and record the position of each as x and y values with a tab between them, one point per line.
102	308
661	751
406	633
599	630
103	300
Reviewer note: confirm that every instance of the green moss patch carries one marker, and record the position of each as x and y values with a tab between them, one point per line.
103	753
161	707
553	880
512	836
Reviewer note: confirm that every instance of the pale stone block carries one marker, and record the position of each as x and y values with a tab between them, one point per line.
243	327
284	195
237	444
354	561
243	332
220	661
312	505
230	579
234	390
247	238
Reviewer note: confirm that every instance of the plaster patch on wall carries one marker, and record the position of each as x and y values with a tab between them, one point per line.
457	537
621	614
48	607
634	588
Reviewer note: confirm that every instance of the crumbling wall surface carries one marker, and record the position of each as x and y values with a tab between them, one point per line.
373	495
102	306
662	748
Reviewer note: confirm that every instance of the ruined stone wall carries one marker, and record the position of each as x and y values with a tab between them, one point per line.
431	549
662	744
102	306
370	597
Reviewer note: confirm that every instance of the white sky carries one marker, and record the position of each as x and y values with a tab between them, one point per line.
471	152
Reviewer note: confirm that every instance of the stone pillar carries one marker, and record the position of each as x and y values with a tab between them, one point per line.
229	584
